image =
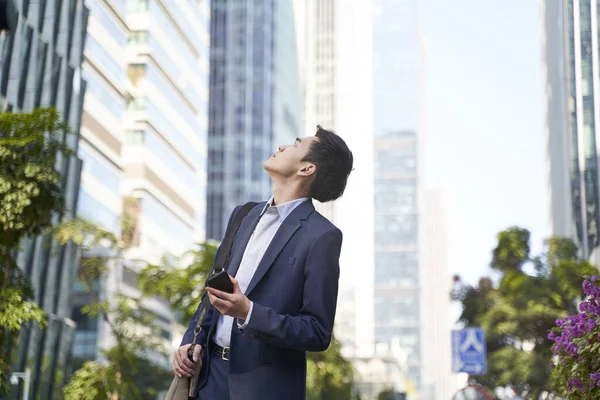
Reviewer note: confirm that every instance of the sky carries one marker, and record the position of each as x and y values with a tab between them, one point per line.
484	140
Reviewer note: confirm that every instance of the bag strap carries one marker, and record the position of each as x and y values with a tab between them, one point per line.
221	261
219	265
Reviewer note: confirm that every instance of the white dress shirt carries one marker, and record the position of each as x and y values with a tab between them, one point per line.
272	216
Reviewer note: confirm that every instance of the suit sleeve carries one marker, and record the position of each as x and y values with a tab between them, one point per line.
188	337
312	329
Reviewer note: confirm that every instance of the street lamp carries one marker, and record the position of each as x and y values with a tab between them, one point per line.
14	380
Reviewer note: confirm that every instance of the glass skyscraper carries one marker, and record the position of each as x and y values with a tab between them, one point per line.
255	101
40	66
572	71
397	264
396	112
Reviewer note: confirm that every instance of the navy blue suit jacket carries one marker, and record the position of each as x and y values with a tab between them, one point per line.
294	290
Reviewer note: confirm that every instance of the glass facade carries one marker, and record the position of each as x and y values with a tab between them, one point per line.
573	73
395	66
255	102
40	66
396	82
397	283
168	119
316	34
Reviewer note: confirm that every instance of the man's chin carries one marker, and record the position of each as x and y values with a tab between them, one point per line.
267	165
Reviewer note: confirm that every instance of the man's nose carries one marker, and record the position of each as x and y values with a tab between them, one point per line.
282	147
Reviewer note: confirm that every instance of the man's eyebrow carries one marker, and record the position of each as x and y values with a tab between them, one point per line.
298	139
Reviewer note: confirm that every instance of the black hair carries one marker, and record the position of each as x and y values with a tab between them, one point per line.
333	161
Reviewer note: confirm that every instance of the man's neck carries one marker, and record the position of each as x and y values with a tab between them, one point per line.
282	193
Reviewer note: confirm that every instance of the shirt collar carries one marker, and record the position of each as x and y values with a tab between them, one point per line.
283	209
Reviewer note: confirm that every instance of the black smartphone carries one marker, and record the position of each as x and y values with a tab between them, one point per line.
220	281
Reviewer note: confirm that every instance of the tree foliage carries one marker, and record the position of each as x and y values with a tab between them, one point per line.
391	394
31	196
181	287
128	372
522	307
329	375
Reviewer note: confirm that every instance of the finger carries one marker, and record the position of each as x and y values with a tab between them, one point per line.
186	363
212	298
186	367
182	359
217	301
218	293
180	372
197	351
236	285
223	306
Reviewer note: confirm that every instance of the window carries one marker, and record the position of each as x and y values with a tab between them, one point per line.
138	37
136	72
137	104
137	5
134	137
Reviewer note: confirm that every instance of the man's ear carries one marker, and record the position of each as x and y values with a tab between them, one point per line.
307	169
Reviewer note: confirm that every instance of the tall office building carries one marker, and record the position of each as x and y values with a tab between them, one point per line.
572	89
165	152
255	101
396	121
438	381
353	212
40	66
144	143
100	148
397	264
316	38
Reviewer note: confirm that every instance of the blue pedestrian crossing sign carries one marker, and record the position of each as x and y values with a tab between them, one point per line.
469	353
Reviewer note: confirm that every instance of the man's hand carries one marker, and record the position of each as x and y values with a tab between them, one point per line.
235	304
182	366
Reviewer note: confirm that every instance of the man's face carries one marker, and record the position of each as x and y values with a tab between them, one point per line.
288	160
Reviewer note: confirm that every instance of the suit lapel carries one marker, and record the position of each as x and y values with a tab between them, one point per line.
285	232
242	237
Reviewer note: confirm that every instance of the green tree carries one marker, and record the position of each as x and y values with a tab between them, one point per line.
519	311
31	199
390	394
329	375
127	372
181	287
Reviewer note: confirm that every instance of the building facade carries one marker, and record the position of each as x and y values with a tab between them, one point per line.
316	38
572	89
255	101
144	144
41	66
353	212
397	264
438	381
100	148
396	119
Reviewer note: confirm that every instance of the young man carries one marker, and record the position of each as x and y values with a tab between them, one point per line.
285	260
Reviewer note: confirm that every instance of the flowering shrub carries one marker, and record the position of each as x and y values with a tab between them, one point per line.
577	348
